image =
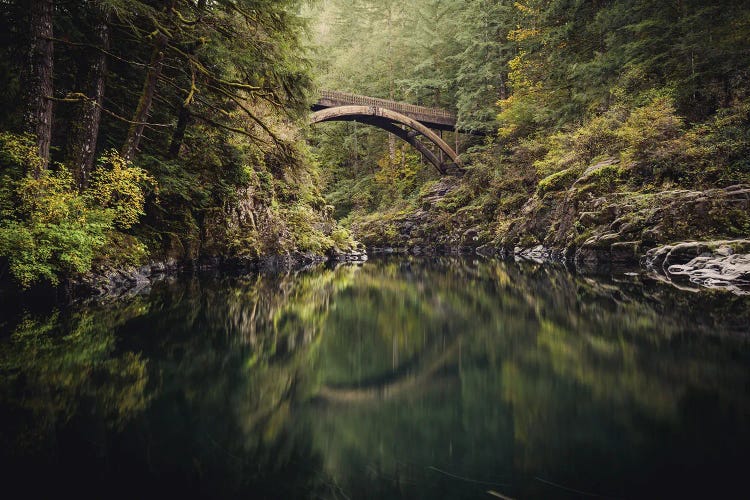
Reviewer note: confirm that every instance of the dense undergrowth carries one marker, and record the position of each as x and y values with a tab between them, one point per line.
50	229
631	154
614	122
128	215
139	133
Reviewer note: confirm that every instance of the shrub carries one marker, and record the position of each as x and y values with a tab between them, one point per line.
597	137
52	232
305	227
719	151
557	182
119	186
342	238
398	178
48	230
650	136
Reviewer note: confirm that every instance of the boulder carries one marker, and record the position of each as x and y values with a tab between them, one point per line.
723	265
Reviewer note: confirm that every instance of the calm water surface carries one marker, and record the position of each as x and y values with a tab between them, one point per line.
393	379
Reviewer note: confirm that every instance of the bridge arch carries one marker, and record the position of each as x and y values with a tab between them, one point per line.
392	121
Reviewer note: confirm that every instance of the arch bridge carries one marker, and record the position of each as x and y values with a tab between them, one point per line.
413	124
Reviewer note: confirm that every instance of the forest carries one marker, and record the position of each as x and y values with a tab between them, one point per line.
217	281
591	131
141	131
174	132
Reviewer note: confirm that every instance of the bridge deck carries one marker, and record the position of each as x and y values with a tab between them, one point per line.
431	117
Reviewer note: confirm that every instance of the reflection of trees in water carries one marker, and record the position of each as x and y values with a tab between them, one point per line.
483	369
194	388
555	373
235	361
54	367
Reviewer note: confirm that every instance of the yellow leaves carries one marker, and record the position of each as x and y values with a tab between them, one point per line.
527	106
50	198
526	74
526	9
398	174
520	34
651	136
48	228
119	186
19	151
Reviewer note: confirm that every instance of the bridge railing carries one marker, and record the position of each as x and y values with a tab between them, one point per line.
360	100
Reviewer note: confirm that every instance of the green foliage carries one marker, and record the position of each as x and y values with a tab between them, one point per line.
483	62
49	230
557	181
650	144
221	141
528	107
118	186
604	179
598	137
571	151
649	134
342	238
18	153
454	200
717	152
429	52
398	177
306	234
576	58
123	250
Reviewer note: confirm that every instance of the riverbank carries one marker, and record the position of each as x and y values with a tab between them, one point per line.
694	238
107	282
601	194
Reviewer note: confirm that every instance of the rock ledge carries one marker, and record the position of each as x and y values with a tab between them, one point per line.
722	265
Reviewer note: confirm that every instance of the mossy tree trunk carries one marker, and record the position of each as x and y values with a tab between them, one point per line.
81	147
138	122
184	117
183	120
135	132
37	76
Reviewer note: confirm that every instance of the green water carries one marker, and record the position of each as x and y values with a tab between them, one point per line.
393	379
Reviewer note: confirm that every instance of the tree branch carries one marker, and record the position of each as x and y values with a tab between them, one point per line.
78	97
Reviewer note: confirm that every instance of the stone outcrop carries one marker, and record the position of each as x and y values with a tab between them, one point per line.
622	226
429	228
723	265
595	224
110	282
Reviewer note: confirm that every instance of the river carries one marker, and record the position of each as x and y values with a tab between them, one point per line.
397	378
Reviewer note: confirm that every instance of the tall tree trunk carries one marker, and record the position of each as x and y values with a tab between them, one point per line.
183	117
183	120
135	132
37	76
81	146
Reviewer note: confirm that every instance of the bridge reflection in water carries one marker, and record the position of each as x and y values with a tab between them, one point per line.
398	378
408	122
